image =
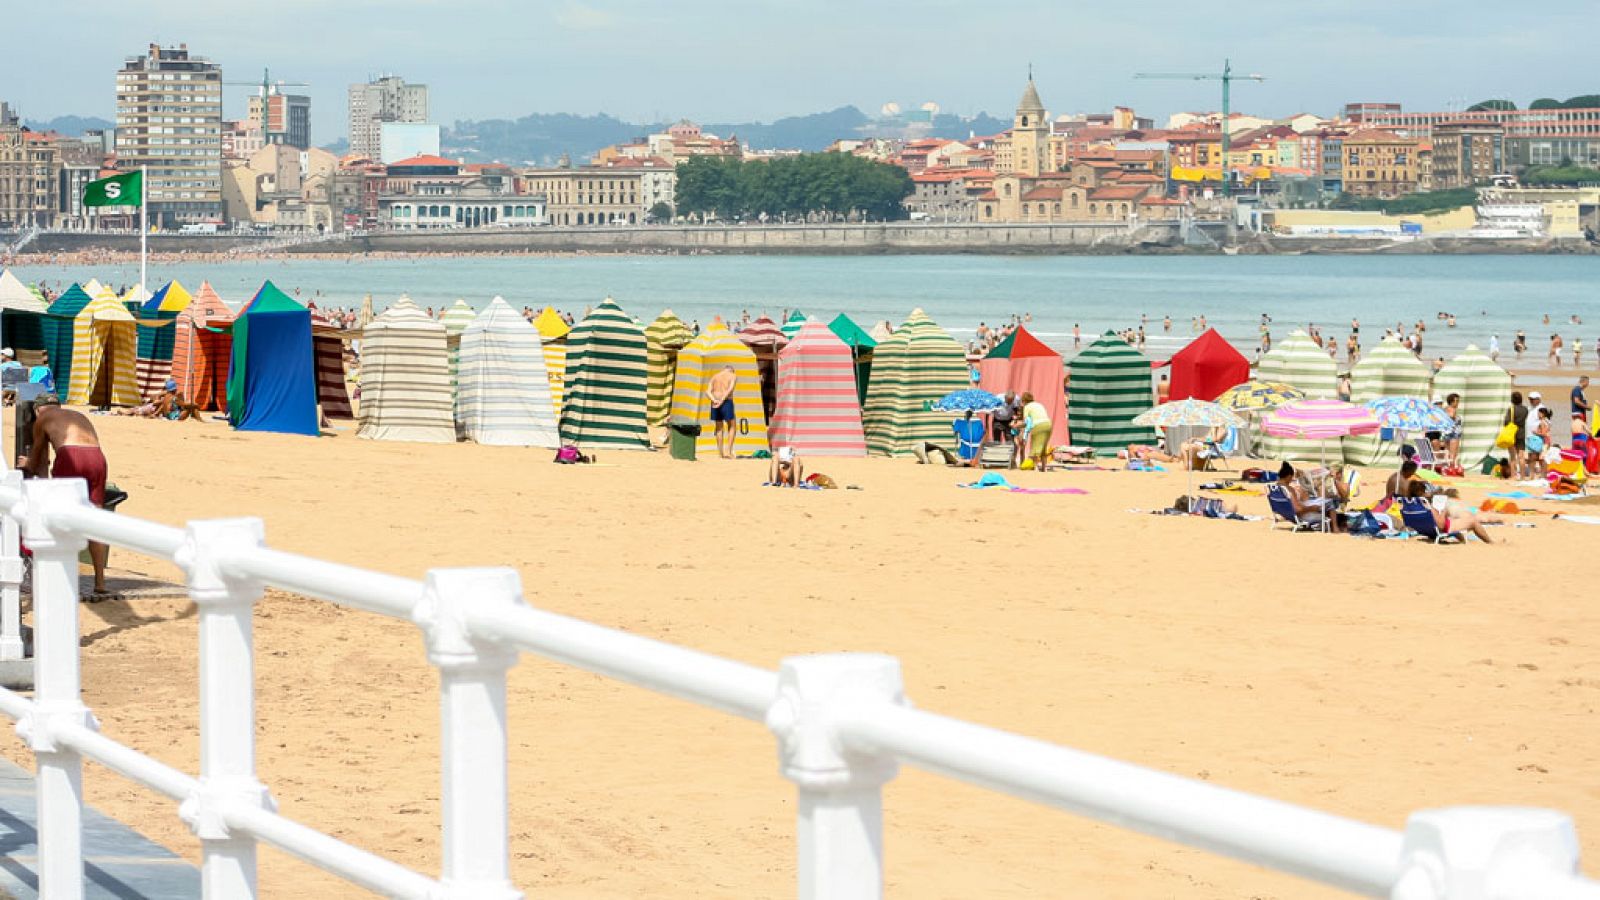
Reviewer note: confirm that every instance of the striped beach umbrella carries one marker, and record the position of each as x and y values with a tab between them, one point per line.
1258	396
606	383
1301	364
153	364
703	358
1485	391
818	411
1390	370
456	317
763	334
665	337
553	330
58	331
1319	420
405	378
911	369
502	391
1110	385
793	324
1188	413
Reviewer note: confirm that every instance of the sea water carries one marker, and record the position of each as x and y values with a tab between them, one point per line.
1489	295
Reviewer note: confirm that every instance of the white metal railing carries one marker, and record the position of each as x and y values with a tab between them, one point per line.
842	722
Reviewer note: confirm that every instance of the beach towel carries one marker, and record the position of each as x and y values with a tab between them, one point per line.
996	480
1581	520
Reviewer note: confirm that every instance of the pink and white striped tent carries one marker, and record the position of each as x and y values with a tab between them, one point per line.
819	410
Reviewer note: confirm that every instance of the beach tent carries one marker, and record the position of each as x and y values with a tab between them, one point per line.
21	319
104	343
154	357
912	368
272	381
606	382
698	361
1205	368
366	316
1023	363
861	345
765	338
1485	391
881	331
201	345
405	378
58	331
135	297
553	331
793	324
1301	364
333	389
665	337
455	320
502	391
819	412
1390	370
1110	385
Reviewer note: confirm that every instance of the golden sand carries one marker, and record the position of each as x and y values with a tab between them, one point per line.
1364	678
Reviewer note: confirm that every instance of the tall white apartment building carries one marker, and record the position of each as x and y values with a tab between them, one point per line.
169	122
385	99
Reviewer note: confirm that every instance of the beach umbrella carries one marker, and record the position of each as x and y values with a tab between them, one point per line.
763	334
975	399
793	324
1189	413
1320	421
1409	414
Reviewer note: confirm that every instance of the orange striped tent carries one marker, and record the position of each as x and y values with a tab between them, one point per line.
333	392
201	349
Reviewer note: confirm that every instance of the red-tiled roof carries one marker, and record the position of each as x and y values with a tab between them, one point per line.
1119	192
1161	201
426	160
1043	192
988	195
936	176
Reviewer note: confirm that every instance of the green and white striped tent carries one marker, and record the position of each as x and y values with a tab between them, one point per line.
455	320
793	324
1485	391
1301	364
1390	370
665	337
912	368
1110	384
607	383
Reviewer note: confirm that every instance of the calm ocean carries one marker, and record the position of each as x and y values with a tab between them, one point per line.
1488	294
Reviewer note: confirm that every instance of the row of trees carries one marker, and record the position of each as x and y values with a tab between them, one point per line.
1411	204
1582	101
827	184
1564	175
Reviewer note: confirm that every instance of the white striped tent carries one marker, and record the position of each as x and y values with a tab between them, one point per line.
1301	364
405	378
1390	370
912	368
1485	391
606	390
502	392
1110	385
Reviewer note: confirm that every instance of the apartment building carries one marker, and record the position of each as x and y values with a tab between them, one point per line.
287	119
588	195
1379	164
1466	154
169	123
30	176
385	99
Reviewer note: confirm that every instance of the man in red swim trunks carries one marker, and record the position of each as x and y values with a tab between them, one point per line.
77	449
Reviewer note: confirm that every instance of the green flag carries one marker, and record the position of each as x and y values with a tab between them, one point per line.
118	190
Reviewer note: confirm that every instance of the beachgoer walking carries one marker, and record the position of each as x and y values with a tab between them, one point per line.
1555	351
1077	337
1494	346
1580	399
1517	415
1036	425
720	392
76	445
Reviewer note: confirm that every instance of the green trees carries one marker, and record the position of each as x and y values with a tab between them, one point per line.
1583	101
1492	104
791	186
1567	175
660	212
1411	204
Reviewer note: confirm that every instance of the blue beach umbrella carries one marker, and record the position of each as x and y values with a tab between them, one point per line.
1409	414
970	398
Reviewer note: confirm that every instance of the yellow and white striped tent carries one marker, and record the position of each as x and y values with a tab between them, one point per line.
105	341
704	357
553	333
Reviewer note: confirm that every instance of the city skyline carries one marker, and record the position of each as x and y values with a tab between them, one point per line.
713	61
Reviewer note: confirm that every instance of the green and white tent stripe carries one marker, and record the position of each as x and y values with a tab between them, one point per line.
1485	391
606	389
1110	386
1299	363
911	369
1390	370
455	320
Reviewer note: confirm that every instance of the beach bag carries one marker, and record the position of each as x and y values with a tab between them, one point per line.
822	481
1535	444
1364	524
570	455
1501	506
1507	438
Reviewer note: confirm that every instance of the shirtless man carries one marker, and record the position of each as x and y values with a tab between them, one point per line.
78	455
720	393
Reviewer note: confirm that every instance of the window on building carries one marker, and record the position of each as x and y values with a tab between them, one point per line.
1094	209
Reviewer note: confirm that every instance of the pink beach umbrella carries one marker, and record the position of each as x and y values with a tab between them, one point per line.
1320	420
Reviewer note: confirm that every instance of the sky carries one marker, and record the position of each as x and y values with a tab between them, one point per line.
744	60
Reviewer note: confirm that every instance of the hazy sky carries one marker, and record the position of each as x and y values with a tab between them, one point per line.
722	60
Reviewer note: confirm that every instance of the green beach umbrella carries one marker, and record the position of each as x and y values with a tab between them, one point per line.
1110	386
793	324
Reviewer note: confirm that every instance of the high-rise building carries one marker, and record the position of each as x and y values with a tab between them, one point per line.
287	120
7	115
30	171
385	99
169	123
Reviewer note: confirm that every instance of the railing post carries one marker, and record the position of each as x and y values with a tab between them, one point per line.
56	694
472	729
1485	853
227	704
10	577
841	791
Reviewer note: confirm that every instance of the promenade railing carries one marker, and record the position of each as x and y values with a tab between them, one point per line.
842	722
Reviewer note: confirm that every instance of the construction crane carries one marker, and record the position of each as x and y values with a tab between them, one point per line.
266	85
1227	78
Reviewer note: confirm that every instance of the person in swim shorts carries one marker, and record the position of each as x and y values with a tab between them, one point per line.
72	437
720	393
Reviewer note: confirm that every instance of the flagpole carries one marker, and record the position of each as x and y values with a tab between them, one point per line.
144	230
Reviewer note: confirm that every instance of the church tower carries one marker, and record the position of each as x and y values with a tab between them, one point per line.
1030	135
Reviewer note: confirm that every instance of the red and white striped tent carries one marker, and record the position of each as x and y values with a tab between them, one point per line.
819	411
200	355
332	392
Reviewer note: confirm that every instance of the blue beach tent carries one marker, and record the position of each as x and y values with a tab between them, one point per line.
272	382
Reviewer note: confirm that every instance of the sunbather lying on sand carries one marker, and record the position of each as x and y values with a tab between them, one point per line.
1453	515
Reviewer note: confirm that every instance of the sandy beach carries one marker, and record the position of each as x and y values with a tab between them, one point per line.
1360	677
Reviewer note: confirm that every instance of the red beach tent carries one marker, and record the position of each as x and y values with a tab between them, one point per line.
1206	368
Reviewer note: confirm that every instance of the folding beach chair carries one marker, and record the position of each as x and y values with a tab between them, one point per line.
998	455
1426	458
1419	518
1214	453
1283	510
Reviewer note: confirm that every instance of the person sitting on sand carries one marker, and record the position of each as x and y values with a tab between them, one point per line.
168	404
787	470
